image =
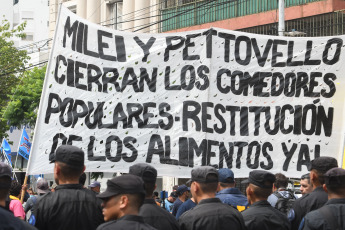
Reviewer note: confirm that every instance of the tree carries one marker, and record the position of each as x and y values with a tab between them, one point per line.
12	65
22	109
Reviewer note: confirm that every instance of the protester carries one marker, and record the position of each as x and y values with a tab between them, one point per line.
228	193
261	215
153	215
210	212
71	206
187	205
121	202
42	188
156	198
332	215
15	204
95	187
318	197
306	186
183	194
7	220
281	198
169	202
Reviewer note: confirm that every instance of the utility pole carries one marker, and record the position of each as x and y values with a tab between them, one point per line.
281	22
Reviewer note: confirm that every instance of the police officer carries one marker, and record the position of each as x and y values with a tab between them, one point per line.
318	197
71	206
332	215
7	220
210	212
261	215
121	202
150	211
228	193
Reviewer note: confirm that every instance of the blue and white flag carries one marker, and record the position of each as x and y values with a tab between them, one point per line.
24	145
5	146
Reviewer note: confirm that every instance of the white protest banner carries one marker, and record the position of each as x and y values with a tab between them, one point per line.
178	101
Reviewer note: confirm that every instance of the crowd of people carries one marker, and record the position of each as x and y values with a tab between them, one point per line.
209	200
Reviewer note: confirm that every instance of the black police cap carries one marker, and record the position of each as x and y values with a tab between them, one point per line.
335	177
70	155
261	178
125	184
145	171
323	164
202	175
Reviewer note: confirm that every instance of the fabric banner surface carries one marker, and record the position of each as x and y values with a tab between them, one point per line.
24	145
181	100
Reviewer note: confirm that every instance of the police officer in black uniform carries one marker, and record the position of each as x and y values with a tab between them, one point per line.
150	211
210	212
71	206
261	215
121	202
318	197
332	215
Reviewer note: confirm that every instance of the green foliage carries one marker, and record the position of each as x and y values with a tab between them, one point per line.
12	65
22	109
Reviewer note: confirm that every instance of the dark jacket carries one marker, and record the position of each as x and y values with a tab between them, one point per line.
316	221
70	207
307	203
176	206
187	205
233	197
128	222
261	215
157	217
9	221
211	214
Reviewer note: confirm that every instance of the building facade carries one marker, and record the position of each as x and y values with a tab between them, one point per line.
311	17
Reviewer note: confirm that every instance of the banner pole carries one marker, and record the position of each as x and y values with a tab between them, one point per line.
23	188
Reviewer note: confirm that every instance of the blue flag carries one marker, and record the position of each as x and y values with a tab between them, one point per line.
5	146
24	145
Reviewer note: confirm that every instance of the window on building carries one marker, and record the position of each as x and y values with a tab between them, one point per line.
28	38
116	15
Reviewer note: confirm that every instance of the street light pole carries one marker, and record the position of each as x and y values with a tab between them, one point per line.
281	22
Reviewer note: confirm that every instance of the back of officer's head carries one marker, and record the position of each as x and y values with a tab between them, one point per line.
226	178
148	174
123	196
207	178
281	181
319	166
5	180
69	162
260	184
335	182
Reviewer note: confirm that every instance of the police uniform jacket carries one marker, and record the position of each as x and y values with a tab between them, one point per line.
129	222
316	221
211	214
70	207
307	203
157	217
233	197
261	215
